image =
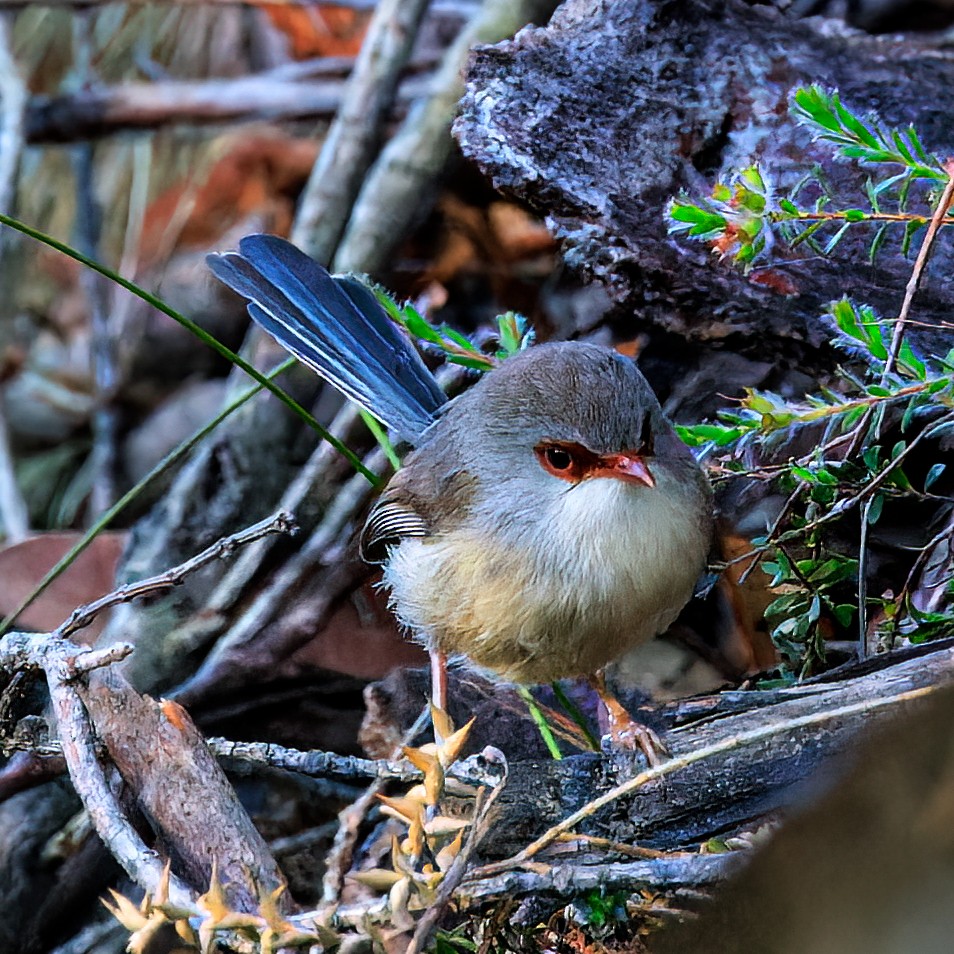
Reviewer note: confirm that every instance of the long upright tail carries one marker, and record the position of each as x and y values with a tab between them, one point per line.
336	327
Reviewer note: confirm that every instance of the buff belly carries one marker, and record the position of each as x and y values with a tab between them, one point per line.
615	567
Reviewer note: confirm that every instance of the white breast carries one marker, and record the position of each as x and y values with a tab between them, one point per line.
608	566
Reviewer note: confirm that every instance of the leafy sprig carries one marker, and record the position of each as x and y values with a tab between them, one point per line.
852	472
745	214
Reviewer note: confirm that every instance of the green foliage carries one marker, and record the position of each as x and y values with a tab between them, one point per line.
513	335
744	215
853	473
599	908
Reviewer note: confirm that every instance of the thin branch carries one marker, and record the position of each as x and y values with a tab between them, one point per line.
343	768
98	111
281	522
924	253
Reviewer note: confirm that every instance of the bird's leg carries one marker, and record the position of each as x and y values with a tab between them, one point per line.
624	731
438	679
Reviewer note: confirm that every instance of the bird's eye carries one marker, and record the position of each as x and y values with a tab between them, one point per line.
558	458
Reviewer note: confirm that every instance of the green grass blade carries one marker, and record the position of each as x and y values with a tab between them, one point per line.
199	332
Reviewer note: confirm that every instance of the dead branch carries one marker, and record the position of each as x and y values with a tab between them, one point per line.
281	522
564	881
100	111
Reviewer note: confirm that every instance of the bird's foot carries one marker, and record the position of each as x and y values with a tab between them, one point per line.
624	731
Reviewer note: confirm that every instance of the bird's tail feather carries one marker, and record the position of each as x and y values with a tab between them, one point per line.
335	326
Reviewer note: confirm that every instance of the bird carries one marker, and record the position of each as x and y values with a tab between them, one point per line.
545	521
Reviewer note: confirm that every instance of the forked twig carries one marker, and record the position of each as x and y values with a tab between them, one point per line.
281	522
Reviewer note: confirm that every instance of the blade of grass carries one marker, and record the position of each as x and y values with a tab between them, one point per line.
199	332
541	723
573	711
381	436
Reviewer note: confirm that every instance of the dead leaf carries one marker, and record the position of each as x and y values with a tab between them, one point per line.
90	576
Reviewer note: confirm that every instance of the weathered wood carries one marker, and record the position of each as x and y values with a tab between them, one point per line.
759	760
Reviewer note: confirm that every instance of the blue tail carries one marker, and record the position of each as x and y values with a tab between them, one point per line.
336	327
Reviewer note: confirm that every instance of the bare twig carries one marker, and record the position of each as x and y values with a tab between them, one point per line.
669	874
345	768
924	253
281	522
349	145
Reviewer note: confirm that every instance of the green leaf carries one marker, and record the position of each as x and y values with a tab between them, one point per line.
874	511
844	613
911	362
910	230
933	474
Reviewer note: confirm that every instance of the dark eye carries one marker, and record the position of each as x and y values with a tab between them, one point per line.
558	458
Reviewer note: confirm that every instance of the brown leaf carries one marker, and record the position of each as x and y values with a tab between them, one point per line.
91	576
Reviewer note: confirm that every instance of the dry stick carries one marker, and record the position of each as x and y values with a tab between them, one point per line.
673	765
318	764
139	105
673	875
944	204
143	865
281	522
353	137
97	292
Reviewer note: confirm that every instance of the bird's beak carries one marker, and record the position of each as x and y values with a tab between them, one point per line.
628	467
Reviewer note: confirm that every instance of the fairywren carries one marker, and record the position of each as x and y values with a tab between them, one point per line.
546	521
